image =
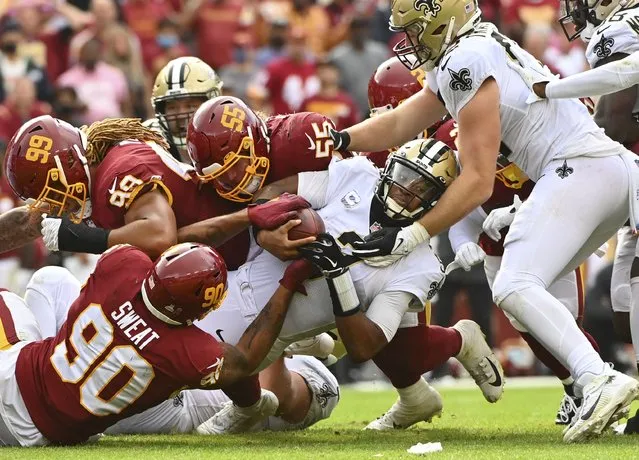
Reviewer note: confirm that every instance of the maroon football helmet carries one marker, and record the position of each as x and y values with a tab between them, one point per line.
45	161
228	144
187	282
391	84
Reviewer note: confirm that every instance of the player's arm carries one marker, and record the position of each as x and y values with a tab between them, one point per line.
267	214
242	359
18	227
394	127
467	230
478	143
614	112
312	186
618	72
149	225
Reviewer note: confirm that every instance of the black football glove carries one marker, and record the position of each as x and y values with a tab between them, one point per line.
326	254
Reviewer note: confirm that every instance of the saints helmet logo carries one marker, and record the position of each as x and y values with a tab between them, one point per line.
603	48
428	6
460	81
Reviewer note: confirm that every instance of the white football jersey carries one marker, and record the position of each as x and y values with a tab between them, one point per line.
619	33
346	214
534	133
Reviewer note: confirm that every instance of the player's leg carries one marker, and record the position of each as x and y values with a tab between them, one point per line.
18	327
49	295
620	291
554	222
308	374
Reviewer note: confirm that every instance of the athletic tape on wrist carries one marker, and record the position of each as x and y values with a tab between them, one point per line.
343	295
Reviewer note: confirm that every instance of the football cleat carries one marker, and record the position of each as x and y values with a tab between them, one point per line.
606	399
479	360
630	427
234	419
402	415
567	409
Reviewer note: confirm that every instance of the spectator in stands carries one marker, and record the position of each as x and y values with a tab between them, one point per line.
237	75
276	44
215	23
21	105
357	59
48	27
331	101
68	107
13	65
100	86
315	21
287	81
144	18
118	52
169	45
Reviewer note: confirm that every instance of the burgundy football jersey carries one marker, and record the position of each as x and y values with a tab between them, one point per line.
299	142
112	358
132	168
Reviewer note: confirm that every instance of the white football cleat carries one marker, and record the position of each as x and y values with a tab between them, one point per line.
479	360
401	415
320	346
234	419
606	399
568	407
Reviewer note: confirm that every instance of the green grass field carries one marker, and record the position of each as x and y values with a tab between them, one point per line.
519	426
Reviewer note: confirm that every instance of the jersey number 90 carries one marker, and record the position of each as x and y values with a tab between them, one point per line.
91	337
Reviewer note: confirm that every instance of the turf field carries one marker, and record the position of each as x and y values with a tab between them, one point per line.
519	426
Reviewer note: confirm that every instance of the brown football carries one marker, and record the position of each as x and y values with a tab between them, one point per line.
312	224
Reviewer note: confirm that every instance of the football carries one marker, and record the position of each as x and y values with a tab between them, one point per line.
312	224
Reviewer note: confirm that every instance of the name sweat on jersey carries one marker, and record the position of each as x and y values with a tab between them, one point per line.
112	358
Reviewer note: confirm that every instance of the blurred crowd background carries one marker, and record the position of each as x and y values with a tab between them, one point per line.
86	60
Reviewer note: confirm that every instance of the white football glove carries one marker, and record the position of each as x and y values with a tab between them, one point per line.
386	246
50	229
530	77
500	218
468	255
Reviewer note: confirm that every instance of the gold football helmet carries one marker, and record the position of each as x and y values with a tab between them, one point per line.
415	177
430	27
180	87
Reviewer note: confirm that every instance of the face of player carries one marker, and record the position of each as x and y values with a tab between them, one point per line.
178	113
409	189
235	176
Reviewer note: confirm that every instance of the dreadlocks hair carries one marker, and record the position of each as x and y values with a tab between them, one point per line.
103	135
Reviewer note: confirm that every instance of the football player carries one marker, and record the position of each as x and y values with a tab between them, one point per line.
49	296
119	175
179	89
610	30
238	153
556	143
128	344
353	198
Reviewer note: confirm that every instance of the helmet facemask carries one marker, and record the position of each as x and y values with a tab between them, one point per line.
175	125
581	17
242	174
406	190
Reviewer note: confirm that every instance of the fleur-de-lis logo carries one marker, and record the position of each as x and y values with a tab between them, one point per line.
565	170
603	48
324	394
428	6
460	81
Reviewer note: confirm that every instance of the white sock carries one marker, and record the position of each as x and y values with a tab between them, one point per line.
568	381
548	321
414	392
634	315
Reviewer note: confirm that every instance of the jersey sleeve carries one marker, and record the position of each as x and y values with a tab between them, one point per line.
127	172
619	34
206	359
461	75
